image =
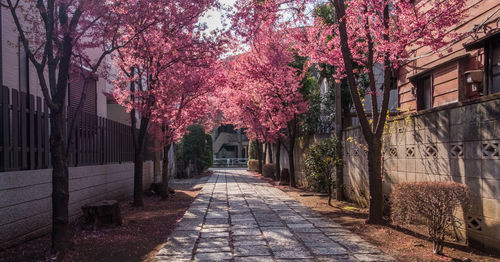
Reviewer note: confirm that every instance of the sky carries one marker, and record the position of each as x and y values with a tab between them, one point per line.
213	18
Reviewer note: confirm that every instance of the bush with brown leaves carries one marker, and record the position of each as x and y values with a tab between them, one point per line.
253	165
268	170
434	202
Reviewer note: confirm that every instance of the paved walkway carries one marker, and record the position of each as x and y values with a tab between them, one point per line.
238	217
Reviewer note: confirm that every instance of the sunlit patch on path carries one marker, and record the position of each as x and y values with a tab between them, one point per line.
238	217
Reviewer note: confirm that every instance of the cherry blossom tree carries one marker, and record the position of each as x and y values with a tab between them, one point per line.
263	86
181	104
57	36
163	75
385	32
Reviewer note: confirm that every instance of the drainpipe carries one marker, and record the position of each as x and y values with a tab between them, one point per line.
1	50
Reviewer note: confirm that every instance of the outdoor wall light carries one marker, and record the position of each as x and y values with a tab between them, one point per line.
475	79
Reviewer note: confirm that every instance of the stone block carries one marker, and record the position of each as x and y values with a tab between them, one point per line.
409	138
292	254
490	188
401	165
187	234
488	110
465	132
457	167
333	249
474	185
431	166
204	243
490	168
420	177
491	228
491	245
245	251
214	234
472	149
489	130
491	208
410	177
259	242
221	256
254	259
247	232
390	164
443	166
457	116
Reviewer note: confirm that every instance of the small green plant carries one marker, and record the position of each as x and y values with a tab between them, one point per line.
320	163
195	148
252	150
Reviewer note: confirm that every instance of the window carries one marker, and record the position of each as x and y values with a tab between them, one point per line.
490	42
424	93
75	88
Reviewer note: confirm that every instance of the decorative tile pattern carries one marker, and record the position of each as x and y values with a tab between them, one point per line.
430	151
474	223
491	149
410	151
457	150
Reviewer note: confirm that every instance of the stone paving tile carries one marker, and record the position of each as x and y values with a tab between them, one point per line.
254	259
221	256
238	217
251	251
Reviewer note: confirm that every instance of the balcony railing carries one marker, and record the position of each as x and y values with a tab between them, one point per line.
230	162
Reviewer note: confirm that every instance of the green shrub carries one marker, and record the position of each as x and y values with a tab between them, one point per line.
196	148
253	165
268	170
252	150
434	202
320	163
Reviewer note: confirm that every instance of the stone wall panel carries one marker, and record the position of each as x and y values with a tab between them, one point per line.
456	143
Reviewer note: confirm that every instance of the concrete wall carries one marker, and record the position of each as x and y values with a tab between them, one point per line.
459	142
25	196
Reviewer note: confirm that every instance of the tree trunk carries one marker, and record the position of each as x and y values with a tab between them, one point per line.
259	155
270	153
165	173
339	176
437	247
264	158
291	161
375	178
138	173
329	183
138	156
60	192
278	161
